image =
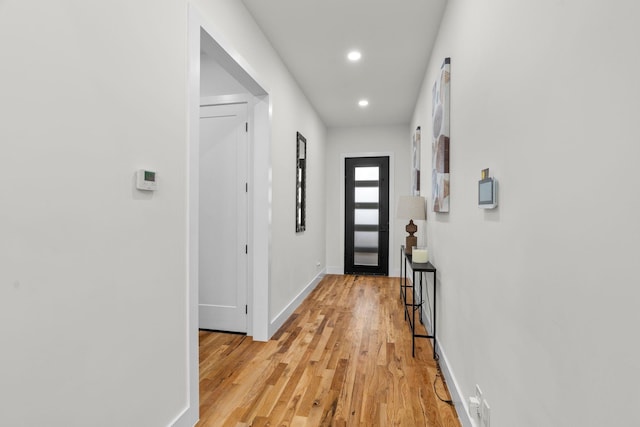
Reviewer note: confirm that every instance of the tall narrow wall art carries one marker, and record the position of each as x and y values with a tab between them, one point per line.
440	145
301	183
415	163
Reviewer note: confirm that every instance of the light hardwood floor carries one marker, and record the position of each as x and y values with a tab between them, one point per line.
342	359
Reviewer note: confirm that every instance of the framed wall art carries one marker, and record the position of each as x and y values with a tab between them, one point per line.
440	178
415	163
301	182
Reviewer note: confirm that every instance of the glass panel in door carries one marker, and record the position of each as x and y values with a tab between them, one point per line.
366	215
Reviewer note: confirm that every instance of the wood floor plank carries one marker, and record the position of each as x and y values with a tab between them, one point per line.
342	359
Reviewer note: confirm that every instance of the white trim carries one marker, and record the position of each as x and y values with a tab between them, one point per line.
240	98
282	317
191	414
389	154
260	218
179	422
461	405
462	408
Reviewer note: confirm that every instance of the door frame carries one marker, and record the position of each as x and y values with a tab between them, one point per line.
390	155
259	191
384	205
204	37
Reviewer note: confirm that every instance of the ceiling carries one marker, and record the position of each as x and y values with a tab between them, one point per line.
313	38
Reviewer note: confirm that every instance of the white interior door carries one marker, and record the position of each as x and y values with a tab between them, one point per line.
223	217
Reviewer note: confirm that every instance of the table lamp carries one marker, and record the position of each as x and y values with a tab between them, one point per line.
411	207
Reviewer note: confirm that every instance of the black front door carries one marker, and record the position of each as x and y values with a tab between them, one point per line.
366	240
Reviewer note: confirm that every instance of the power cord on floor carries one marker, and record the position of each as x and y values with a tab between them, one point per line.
439	374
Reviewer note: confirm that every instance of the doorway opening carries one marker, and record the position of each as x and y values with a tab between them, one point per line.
203	40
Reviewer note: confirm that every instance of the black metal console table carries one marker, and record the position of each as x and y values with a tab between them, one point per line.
411	307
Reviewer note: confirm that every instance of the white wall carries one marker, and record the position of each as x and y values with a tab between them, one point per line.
363	141
92	271
539	296
215	80
93	283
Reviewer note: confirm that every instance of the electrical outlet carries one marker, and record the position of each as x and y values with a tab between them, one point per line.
485	414
474	407
475	403
478	393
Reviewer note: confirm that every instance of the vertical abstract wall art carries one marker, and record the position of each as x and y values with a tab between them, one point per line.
415	163
440	144
301	183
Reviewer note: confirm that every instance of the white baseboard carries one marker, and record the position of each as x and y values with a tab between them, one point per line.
186	418
460	403
462	407
282	317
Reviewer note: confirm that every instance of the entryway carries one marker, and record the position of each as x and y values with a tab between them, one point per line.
366	240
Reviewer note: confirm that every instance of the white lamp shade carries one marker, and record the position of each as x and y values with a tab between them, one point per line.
411	207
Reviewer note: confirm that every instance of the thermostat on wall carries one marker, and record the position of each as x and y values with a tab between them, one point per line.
146	180
487	191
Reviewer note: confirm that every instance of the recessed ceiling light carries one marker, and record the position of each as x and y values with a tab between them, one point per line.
354	56
363	103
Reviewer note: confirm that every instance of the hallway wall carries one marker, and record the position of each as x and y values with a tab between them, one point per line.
539	296
92	271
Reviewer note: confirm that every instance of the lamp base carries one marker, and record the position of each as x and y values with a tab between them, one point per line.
410	242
